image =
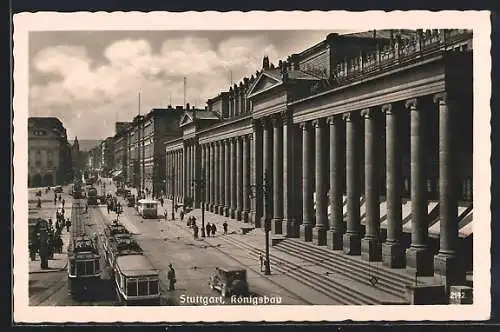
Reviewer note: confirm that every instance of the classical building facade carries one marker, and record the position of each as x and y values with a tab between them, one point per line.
120	144
362	143
49	153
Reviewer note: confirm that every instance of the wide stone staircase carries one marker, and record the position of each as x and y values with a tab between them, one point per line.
346	280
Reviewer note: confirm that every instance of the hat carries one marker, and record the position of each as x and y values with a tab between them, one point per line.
170	265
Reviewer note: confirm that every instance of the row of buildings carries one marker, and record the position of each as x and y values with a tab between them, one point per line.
52	159
362	142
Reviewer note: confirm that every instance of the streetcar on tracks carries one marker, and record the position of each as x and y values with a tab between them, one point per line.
84	267
137	281
92	196
147	208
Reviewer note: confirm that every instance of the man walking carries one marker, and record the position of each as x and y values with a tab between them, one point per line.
171	277
224	226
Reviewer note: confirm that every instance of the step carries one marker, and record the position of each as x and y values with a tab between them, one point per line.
353	273
356	291
394	274
281	266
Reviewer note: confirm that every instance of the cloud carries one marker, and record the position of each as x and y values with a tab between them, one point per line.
89	97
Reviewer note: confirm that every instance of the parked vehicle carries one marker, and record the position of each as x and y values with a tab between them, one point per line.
229	281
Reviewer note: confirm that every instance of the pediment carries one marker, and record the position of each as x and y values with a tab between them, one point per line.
186	119
263	83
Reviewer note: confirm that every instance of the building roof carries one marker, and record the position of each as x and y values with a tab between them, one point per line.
382	34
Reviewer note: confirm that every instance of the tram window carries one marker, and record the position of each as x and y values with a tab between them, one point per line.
72	268
80	268
89	267
143	287
153	287
97	267
132	287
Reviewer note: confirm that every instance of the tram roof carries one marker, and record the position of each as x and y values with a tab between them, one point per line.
147	201
135	266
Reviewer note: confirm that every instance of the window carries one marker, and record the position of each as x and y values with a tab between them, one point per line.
89	267
132	287
80	268
38	158
143	288
50	160
72	267
153	287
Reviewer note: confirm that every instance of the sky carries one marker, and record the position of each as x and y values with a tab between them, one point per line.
92	79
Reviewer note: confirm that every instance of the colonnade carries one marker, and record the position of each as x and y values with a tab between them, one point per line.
293	161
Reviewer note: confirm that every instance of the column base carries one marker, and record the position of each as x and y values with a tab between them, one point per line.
226	211
393	255
246	216
213	208
290	228
352	244
450	268
334	239
232	213
420	259
221	210
239	215
371	249
306	232
277	226
319	236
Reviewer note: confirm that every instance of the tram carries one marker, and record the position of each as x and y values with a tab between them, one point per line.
84	268
137	282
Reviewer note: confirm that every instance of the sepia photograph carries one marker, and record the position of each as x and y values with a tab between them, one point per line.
174	167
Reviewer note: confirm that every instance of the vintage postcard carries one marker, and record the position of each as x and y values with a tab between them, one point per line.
260	166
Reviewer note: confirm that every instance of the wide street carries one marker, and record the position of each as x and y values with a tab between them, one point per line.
167	242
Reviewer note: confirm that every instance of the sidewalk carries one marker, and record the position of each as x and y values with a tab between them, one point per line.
60	261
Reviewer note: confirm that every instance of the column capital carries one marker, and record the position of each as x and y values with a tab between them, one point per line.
411	103
440	98
332	119
368	113
249	137
387	109
319	123
349	116
305	125
276	119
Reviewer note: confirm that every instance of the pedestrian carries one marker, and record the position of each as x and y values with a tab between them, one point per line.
181	214
171	277
86	208
261	259
224	225
161	201
55	199
68	225
39	203
214	229
62	212
63	202
195	231
60	198
208	228
166	214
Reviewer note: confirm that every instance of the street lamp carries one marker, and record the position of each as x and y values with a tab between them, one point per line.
199	185
171	177
267	222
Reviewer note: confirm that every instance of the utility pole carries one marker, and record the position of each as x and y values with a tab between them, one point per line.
267	221
200	185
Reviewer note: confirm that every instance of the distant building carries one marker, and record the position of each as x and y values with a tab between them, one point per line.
49	153
145	153
121	150
107	156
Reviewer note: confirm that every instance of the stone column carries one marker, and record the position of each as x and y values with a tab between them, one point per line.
393	254
371	248
418	255
256	174
239	178
307	181
184	172
203	175
352	238
176	176
196	173
216	163
321	178
446	262
227	177
242	100
246	177
231	104
267	164
337	225
277	186
222	177
210	176
232	211
290	187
